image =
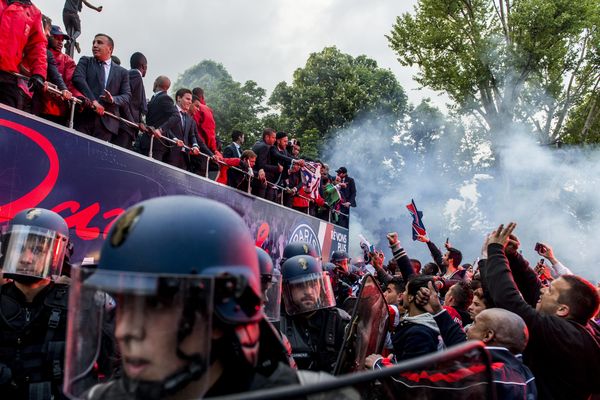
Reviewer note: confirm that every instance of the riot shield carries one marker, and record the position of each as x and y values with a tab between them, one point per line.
367	329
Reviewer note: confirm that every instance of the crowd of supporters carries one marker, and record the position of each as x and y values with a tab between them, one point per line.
539	323
99	97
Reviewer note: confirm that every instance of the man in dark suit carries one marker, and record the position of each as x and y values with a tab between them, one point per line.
348	193
264	165
161	107
234	150
182	128
105	86
137	106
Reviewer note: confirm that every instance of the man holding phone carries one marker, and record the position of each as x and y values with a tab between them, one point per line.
105	86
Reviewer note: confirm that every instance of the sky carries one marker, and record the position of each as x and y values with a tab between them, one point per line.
260	40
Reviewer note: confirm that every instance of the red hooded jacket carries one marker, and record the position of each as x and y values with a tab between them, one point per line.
22	37
66	66
206	126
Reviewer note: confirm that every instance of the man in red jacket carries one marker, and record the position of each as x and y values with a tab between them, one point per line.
27	48
56	109
205	121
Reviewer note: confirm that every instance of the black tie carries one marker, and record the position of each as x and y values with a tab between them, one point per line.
182	119
102	73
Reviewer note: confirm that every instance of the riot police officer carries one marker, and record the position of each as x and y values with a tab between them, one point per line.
184	276
344	282
312	323
33	308
270	281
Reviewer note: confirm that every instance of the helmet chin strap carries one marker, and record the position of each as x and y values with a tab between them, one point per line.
174	383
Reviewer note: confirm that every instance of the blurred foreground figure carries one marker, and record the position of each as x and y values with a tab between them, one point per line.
184	276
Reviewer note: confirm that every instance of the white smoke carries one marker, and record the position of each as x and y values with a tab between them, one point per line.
464	193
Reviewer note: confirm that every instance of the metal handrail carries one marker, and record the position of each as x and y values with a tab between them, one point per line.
352	379
150	130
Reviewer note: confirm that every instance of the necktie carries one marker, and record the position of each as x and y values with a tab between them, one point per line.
182	119
103	76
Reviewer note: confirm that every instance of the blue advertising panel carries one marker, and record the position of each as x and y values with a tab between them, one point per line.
90	183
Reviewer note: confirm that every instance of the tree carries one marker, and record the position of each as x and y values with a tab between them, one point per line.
330	91
235	105
528	62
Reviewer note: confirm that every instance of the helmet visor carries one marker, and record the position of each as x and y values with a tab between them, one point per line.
160	325
272	297
308	293
33	251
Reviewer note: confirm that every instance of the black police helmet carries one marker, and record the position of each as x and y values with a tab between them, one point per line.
299	266
298	248
190	235
265	263
329	267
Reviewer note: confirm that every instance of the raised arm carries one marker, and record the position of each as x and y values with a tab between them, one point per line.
499	277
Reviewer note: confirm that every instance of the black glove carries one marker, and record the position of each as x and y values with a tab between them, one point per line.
36	82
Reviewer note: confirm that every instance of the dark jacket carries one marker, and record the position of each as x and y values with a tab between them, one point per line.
87	79
29	346
137	106
264	161
512	379
563	354
412	339
232	152
316	340
349	192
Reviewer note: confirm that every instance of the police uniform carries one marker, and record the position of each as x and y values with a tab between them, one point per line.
32	341
311	322
316	340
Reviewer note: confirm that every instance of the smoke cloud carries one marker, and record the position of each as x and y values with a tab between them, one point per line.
465	191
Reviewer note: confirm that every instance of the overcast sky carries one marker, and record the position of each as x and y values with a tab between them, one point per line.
262	40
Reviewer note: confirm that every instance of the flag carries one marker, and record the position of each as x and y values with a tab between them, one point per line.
311	178
331	195
417	225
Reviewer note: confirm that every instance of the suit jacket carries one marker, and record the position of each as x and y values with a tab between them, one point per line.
188	132
263	161
232	151
160	108
349	192
137	106
88	80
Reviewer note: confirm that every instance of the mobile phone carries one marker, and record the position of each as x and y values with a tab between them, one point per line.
539	247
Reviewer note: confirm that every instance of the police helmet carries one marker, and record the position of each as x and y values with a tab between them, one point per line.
34	245
306	287
329	267
270	285
188	256
297	249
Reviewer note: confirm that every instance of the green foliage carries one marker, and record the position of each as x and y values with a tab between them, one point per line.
584	123
332	90
524	61
235	105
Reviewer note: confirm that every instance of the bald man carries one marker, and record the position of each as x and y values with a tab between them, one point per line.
505	335
160	108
